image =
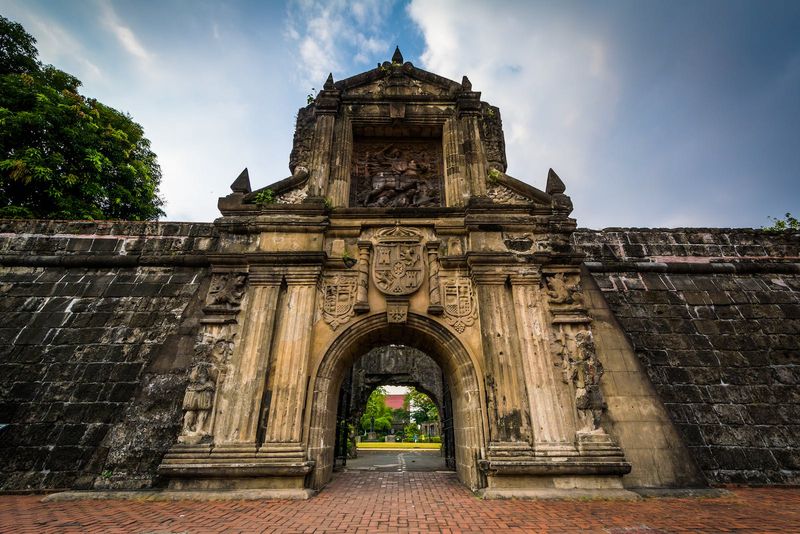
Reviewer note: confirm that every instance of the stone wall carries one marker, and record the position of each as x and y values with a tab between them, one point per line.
98	323
99	320
714	317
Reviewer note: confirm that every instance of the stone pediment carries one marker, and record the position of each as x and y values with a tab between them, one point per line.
398	79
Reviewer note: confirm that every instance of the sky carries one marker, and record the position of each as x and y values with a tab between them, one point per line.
654	113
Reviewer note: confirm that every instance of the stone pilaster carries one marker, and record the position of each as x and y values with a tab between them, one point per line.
326	107
339	191
474	156
291	353
239	402
509	424
551	408
456	190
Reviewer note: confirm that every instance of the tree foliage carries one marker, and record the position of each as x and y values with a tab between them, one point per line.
377	408
63	155
421	407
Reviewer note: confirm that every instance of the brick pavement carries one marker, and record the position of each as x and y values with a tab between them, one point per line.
409	502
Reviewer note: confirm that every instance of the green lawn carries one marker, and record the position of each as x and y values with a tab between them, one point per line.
382	445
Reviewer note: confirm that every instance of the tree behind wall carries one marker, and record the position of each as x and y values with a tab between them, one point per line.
62	155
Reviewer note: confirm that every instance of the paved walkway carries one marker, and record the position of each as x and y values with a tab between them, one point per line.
394	460
409	502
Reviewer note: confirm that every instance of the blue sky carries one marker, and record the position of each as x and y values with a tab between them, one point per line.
666	113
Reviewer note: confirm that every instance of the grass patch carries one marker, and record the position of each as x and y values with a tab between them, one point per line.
383	445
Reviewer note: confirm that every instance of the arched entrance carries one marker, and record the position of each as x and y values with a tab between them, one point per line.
419	332
394	366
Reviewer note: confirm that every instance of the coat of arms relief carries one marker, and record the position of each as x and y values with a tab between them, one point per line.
338	298
460	305
399	266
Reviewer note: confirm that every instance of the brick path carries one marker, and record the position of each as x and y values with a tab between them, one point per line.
409	502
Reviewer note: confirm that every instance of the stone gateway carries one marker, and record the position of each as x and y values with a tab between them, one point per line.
226	355
393	170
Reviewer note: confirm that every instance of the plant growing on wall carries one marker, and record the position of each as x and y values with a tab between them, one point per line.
787	223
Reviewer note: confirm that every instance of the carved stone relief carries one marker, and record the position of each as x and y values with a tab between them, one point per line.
227	290
504	195
338	298
522	242
394	173
460	304
197	401
295	196
212	354
397	311
564	290
398	266
492	135
585	371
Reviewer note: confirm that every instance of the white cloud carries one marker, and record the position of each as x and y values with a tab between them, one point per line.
55	43
328	35
125	36
552	80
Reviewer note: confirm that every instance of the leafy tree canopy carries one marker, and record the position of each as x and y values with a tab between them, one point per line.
377	408
62	155
421	407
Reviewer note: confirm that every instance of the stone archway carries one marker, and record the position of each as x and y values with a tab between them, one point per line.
419	332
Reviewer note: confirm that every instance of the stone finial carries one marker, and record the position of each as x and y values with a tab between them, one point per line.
242	183
554	184
329	83
466	85
397	57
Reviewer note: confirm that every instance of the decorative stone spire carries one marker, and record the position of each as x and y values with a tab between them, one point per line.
329	86
242	183
397	57
466	85
554	184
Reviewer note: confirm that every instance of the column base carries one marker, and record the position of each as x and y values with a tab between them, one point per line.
233	467
594	462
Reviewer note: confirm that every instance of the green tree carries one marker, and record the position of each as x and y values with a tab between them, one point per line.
787	223
377	408
63	155
421	407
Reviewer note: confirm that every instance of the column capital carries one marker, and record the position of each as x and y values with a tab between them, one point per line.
265	276
525	276
488	275
364	244
302	276
433	245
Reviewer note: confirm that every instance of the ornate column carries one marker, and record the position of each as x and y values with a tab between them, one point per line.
434	293
239	402
283	439
551	410
362	289
509	423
